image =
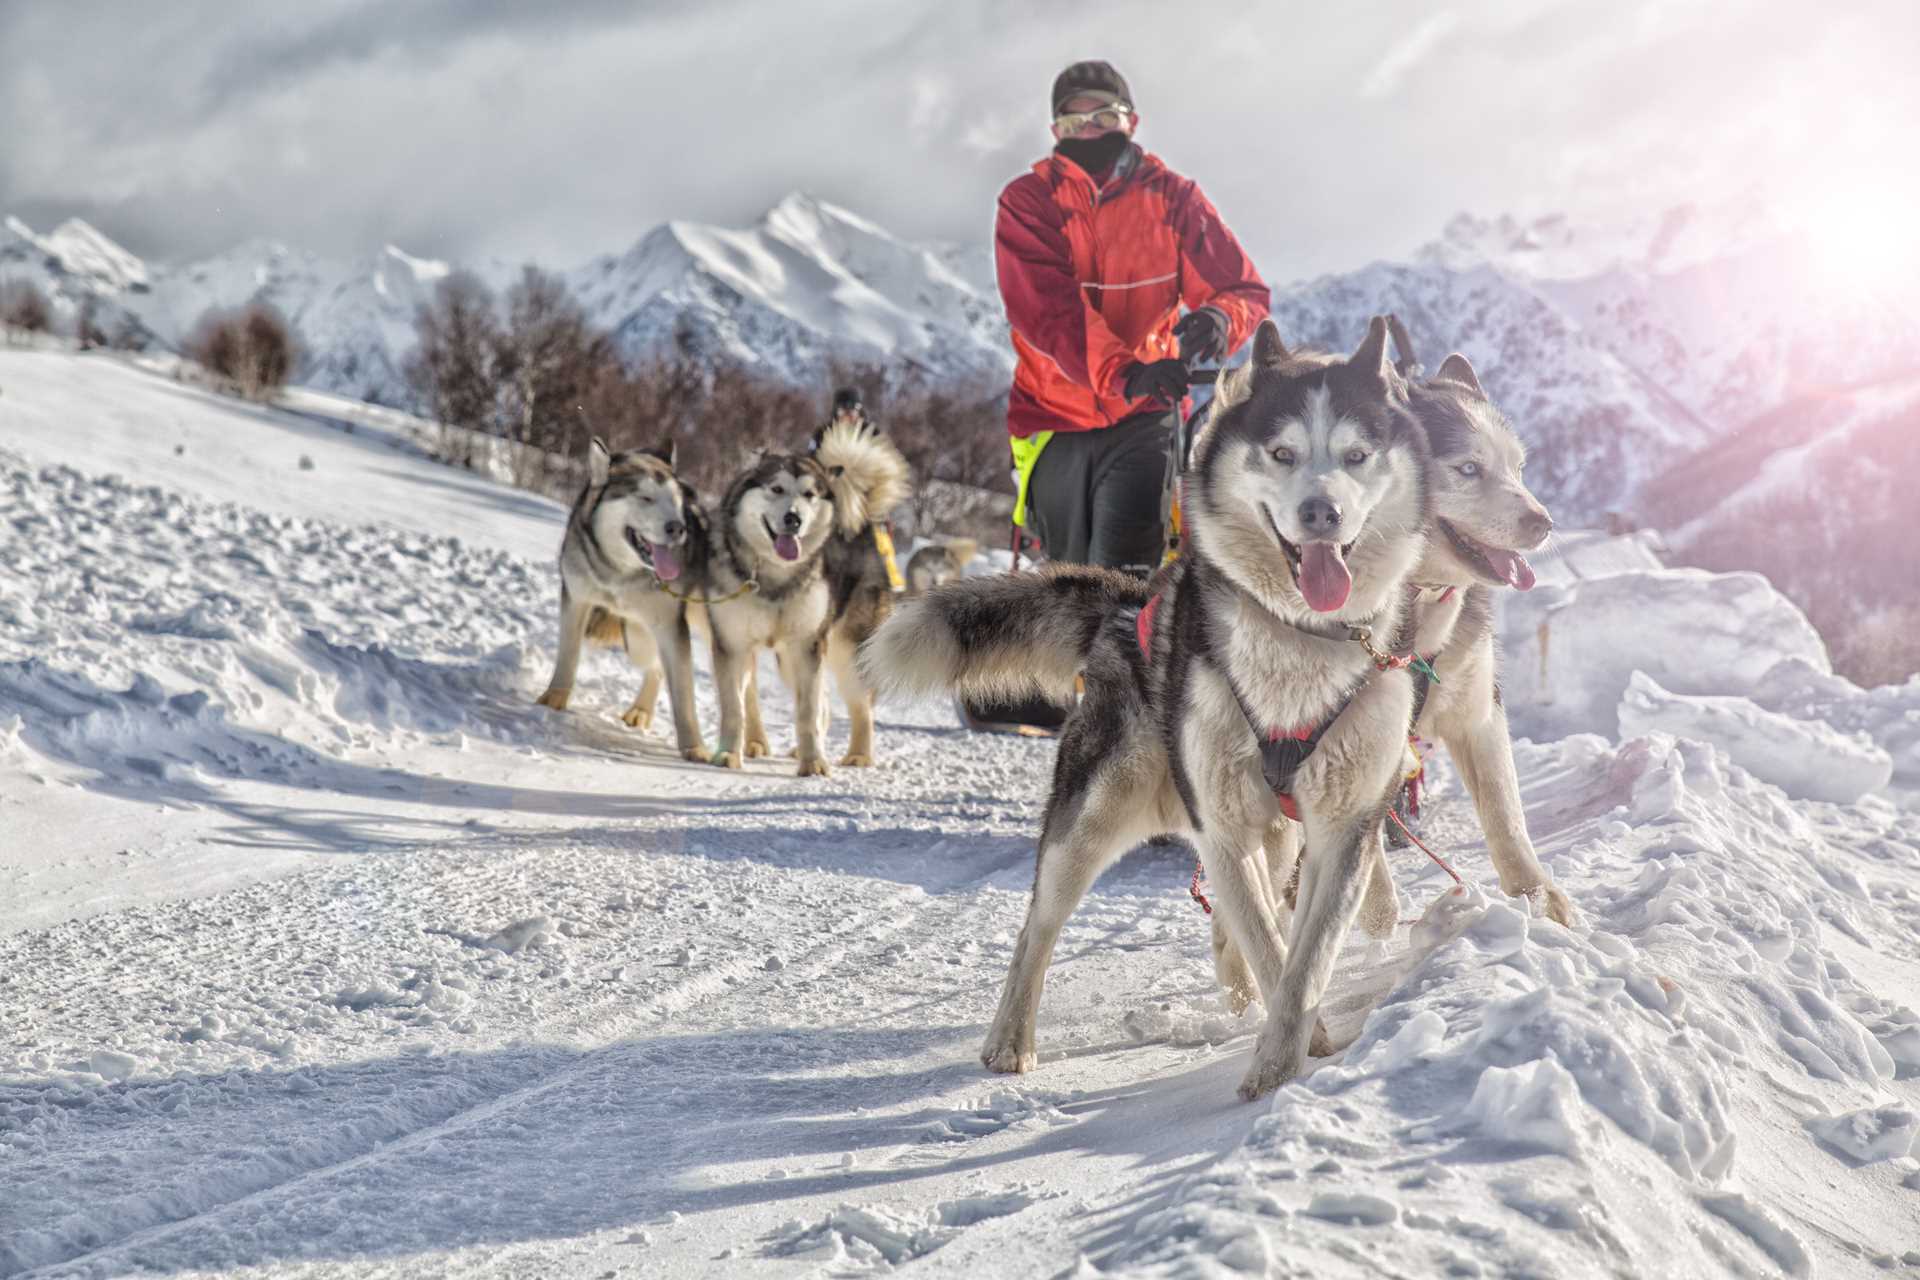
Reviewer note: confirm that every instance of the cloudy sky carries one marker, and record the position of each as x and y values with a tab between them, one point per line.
1327	133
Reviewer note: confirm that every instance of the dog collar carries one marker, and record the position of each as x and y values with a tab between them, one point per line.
1431	592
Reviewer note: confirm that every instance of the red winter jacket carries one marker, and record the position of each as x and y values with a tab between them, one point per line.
1093	280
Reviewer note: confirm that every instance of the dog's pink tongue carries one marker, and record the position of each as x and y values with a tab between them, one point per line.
1512	567
787	547
666	565
1324	579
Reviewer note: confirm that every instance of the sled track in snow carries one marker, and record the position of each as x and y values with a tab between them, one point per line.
899	913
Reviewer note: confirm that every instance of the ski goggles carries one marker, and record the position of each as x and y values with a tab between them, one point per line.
1112	116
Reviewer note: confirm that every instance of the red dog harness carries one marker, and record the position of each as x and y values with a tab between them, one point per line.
1282	751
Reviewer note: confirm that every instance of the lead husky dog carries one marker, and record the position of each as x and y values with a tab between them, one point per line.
1484	519
634	532
869	477
1306	509
766	586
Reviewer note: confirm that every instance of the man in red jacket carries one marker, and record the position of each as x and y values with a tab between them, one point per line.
1097	249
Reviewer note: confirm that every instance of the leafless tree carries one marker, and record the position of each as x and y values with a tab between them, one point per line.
452	367
546	358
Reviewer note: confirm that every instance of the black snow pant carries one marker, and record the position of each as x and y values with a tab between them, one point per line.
1094	498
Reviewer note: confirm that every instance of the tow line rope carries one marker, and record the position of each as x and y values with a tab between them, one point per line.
1199	868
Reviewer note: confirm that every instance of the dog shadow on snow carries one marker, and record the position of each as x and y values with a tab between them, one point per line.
402	1155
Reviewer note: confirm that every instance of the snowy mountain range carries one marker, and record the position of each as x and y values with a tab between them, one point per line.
1617	352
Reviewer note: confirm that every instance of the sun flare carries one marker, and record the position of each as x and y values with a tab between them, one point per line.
1864	237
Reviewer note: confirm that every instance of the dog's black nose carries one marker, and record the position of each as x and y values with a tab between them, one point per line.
1320	515
1536	525
675	529
792	521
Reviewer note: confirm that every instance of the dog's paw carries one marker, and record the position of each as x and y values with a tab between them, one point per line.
757	747
854	760
727	760
699	755
555	698
1262	1079
638	717
1548	900
1278	1055
812	768
1006	1060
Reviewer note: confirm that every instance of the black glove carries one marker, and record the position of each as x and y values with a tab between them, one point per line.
1203	338
1162	380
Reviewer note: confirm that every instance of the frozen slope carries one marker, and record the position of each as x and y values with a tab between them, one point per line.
327	953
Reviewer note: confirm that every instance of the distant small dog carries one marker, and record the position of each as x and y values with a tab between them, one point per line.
938	562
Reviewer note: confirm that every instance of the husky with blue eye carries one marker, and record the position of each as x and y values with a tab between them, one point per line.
1249	685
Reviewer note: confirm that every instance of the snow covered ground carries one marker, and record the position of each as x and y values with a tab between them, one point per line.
324	951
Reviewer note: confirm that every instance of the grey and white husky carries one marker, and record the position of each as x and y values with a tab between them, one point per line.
636	536
1484	520
766	586
1246	680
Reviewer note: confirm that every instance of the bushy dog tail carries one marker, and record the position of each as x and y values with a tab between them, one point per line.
869	476
1007	636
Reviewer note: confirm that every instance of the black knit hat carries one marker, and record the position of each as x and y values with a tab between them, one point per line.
1097	78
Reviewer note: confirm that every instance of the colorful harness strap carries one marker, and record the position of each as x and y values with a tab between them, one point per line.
1282	751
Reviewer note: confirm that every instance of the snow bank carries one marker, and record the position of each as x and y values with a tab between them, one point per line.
1628	1081
248	645
1889	714
1806	758
1570	650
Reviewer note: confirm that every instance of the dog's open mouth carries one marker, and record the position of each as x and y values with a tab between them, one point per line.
658	556
785	545
1496	564
1319	569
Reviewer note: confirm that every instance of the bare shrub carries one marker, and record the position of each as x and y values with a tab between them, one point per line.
87	331
451	368
24	308
249	349
545	360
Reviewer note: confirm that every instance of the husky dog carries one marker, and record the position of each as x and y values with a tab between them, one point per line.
635	536
1243	683
1483	521
766	586
869	477
938	562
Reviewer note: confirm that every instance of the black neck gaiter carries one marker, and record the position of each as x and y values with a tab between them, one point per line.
1095	155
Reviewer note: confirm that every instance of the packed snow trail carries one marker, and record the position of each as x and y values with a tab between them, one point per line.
327	952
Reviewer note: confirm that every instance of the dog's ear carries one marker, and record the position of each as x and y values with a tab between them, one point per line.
1267	347
1234	385
1370	357
1455	368
598	460
1406	363
666	450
